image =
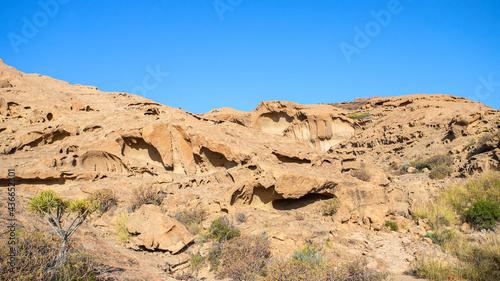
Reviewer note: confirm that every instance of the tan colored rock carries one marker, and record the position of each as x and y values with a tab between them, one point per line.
156	230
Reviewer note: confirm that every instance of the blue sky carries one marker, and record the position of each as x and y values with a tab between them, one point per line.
236	53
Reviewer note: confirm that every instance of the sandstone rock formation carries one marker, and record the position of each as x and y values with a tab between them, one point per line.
156	230
277	163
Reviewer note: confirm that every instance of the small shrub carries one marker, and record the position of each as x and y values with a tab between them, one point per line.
282	270
196	262
192	218
405	167
330	207
309	254
147	195
361	174
241	217
243	258
441	163
483	214
392	225
222	230
440	172
105	197
35	256
356	270
358	116
214	256
438	214
435	269
121	229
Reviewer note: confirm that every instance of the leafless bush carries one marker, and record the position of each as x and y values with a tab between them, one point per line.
243	258
330	207
147	195
361	174
241	217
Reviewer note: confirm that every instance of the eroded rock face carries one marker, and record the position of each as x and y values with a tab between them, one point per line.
279	162
157	231
319	125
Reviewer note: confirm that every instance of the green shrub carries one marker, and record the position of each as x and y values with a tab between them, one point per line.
35	256
439	165
196	262
309	254
52	208
483	214
244	257
105	197
392	225
222	230
147	195
192	218
358	116
330	207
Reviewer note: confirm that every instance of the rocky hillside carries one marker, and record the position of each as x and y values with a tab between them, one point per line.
276	166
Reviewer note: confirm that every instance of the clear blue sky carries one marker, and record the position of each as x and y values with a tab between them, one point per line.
250	51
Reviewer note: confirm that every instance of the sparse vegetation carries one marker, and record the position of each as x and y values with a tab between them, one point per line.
147	195
241	217
476	202
440	172
105	197
483	214
330	207
196	262
35	259
439	165
121	229
361	174
294	270
52	208
214	256
392	225
244	257
192	218
358	116
222	230
309	254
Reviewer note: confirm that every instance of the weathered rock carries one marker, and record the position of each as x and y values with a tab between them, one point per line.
157	231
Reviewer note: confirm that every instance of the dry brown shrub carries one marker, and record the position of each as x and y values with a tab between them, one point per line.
361	174
243	258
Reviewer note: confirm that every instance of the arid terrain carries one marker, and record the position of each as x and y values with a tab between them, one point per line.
273	170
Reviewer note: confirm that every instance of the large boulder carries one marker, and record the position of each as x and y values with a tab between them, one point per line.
157	231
